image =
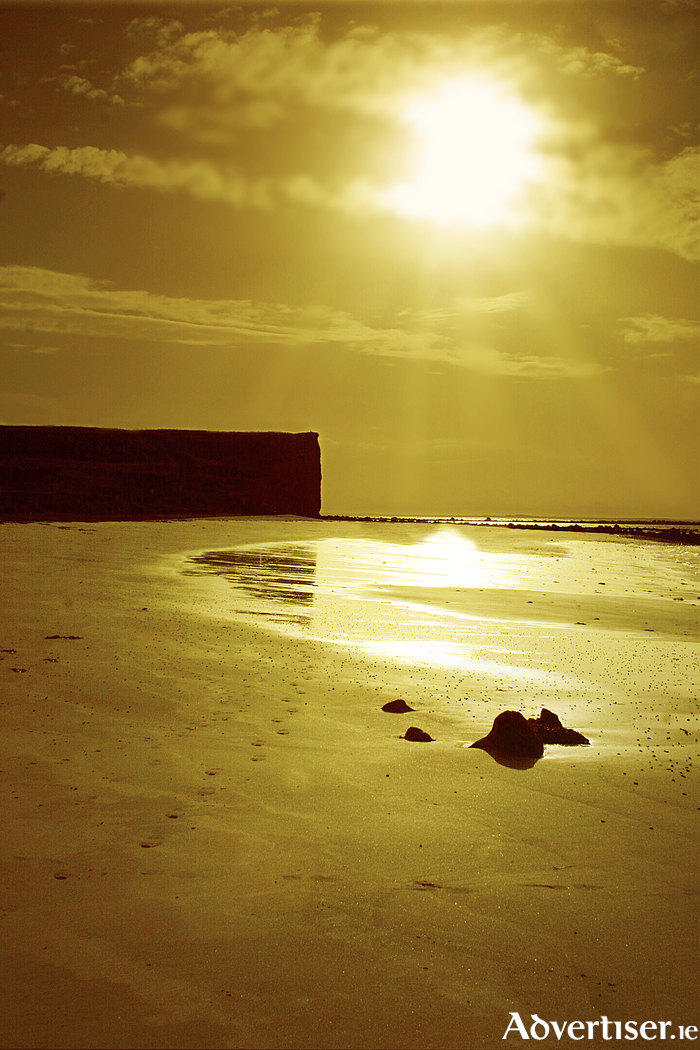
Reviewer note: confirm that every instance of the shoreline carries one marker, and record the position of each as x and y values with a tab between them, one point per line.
669	533
681	532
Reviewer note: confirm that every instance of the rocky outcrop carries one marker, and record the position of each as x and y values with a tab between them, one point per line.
512	734
414	733
519	737
550	730
397	707
90	472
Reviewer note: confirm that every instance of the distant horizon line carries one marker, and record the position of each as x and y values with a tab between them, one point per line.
660	529
490	519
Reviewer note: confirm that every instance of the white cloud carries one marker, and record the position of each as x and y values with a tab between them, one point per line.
616	195
32	299
609	196
365	71
46	301
485	359
592	192
653	328
154	31
461	309
579	61
497	304
199	178
81	86
202	179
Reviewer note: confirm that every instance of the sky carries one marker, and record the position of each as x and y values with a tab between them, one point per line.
460	241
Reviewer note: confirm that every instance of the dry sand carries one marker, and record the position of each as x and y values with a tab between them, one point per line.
214	837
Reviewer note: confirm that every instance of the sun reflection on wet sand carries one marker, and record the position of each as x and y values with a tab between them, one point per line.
406	602
526	616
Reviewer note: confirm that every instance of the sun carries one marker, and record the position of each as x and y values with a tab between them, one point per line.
475	155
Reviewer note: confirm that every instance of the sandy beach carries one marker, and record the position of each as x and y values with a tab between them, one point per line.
215	837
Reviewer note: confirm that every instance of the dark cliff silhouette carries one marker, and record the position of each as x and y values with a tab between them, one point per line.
91	472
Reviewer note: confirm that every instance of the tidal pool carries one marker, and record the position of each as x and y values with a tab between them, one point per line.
431	602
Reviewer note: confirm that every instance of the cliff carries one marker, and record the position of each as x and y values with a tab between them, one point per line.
90	472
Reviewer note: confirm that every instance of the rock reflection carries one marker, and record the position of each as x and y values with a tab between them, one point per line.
276	573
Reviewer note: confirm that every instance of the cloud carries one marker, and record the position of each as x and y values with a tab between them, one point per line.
621	195
46	301
462	308
497	304
608	196
80	86
484	359
283	67
32	349
154	29
200	178
653	328
32	299
579	61
260	76
213	85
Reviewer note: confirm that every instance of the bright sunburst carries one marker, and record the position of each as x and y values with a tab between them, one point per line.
475	155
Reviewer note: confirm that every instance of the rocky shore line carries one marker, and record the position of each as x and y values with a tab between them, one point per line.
685	533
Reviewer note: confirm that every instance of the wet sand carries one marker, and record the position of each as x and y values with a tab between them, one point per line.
214	836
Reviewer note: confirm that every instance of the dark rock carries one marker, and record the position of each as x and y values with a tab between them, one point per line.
524	738
512	734
550	730
397	707
413	733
